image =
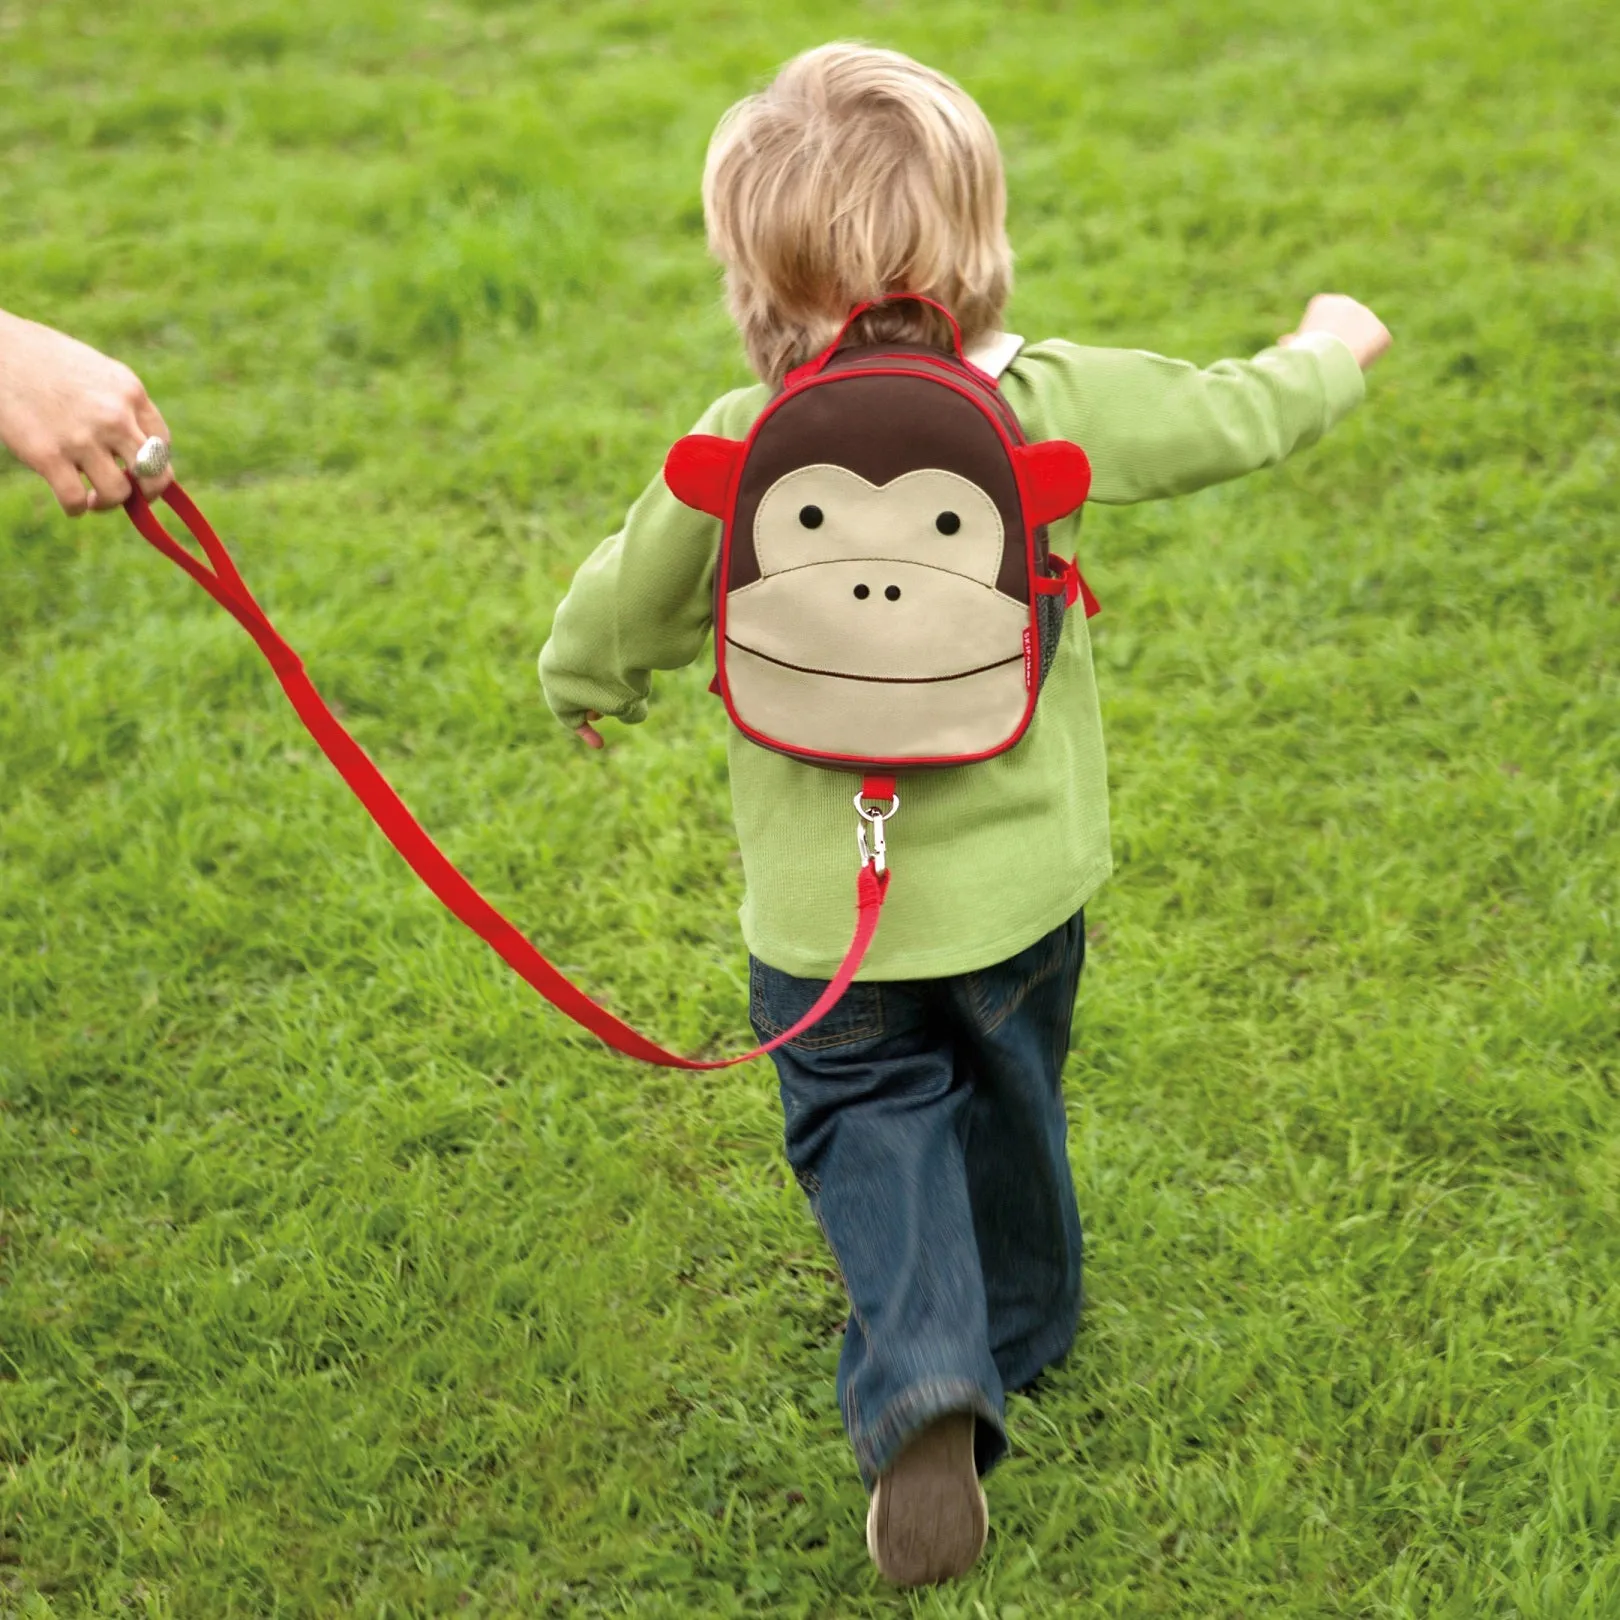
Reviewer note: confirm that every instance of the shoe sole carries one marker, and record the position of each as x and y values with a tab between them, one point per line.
928	1519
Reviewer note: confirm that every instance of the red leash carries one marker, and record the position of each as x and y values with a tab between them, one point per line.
427	860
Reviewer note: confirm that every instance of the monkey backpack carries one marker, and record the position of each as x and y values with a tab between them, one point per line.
885	598
884	601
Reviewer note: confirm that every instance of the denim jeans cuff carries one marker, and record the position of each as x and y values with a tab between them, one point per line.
878	1444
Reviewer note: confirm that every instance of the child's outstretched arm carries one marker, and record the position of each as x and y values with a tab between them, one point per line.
641	601
1155	427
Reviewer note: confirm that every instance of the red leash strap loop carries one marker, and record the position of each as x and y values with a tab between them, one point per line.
407	835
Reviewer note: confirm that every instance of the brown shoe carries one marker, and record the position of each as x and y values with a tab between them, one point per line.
928	1517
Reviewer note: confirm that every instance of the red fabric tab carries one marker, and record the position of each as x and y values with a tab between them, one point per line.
1065	582
880	788
408	836
1071	583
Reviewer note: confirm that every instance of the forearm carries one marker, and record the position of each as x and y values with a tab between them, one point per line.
1155	427
640	602
1242	415
584	667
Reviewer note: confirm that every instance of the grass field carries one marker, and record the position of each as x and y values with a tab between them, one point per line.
341	1277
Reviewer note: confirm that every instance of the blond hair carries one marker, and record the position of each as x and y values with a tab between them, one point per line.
856	172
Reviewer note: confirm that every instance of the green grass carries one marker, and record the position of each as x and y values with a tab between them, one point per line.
342	1277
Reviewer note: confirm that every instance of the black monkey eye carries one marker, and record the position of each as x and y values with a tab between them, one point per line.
810	516
947	523
893	593
862	592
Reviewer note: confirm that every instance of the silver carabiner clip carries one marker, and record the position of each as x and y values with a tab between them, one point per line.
875	855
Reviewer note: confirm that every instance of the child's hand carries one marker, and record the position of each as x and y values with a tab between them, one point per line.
587	733
1354	324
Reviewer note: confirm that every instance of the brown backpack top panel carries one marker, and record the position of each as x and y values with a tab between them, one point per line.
880	427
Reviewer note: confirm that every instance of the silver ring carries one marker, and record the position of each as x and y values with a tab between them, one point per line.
152	459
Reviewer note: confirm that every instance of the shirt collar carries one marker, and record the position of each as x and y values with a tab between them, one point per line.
995	352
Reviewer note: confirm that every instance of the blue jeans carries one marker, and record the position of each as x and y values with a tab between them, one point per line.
924	1119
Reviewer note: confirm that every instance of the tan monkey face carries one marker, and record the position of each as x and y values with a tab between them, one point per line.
879	583
876	612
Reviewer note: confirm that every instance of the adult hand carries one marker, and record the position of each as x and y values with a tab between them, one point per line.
72	414
1353	324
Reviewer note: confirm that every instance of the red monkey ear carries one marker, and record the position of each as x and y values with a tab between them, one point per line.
1054	477
698	470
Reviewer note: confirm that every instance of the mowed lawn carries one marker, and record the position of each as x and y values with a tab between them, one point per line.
341	1276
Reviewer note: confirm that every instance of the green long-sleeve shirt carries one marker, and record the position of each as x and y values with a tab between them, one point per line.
988	857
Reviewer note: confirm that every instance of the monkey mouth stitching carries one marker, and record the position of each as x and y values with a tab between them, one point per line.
880	680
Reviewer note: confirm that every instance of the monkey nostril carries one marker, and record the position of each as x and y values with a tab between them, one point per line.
893	593
810	516
947	523
862	592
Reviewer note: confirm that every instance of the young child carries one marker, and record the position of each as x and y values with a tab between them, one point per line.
924	1115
